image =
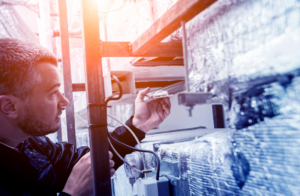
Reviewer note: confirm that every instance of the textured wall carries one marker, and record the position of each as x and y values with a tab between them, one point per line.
247	54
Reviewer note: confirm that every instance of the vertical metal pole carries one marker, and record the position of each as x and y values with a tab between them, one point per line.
185	61
186	66
96	99
59	133
65	50
218	116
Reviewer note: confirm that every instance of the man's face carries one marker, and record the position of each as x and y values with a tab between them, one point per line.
41	111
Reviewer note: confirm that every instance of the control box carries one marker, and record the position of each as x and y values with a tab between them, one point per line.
151	187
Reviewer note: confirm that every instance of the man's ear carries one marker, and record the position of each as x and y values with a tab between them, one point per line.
8	107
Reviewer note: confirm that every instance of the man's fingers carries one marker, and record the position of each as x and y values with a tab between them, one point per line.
167	101
110	155
166	110
111	163
112	172
166	106
140	97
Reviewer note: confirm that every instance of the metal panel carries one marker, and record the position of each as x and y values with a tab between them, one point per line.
168	23
65	48
95	98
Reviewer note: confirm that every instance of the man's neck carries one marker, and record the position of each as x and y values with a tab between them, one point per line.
10	135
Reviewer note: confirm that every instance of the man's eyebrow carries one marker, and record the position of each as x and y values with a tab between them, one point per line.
53	86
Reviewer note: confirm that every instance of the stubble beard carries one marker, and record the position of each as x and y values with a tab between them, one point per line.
32	126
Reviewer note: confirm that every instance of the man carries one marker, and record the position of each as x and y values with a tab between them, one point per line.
30	106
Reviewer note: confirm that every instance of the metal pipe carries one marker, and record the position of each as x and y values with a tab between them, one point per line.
185	56
59	133
185	63
96	99
65	50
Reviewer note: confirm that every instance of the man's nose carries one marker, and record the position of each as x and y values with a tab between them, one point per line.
64	101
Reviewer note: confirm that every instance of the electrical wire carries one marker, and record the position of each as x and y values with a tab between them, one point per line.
121	156
124	145
113	146
139	150
117	98
132	133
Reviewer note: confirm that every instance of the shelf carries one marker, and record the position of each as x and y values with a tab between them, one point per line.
168	23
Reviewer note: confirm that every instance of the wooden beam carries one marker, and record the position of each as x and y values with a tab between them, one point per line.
66	62
77	87
155	84
157	63
96	108
168	23
141	84
123	49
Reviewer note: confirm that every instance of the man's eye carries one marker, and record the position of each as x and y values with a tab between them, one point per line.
54	93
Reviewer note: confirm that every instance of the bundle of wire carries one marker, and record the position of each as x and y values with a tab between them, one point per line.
110	138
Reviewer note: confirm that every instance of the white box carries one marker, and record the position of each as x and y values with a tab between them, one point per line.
127	81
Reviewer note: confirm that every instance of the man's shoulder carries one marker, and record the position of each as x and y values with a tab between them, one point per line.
39	140
41	144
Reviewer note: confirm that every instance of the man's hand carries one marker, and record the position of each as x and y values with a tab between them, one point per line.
112	164
80	180
149	115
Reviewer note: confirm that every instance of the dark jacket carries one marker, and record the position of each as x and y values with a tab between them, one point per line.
42	168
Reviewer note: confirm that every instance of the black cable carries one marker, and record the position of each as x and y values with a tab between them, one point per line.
139	150
120	89
122	144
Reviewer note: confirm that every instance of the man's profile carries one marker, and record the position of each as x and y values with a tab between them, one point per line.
30	108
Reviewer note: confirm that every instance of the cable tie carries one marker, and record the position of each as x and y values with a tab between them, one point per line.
93	125
147	171
95	105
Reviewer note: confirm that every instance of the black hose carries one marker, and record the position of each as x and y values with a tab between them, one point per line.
120	89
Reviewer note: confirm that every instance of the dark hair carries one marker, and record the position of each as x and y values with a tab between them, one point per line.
17	65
